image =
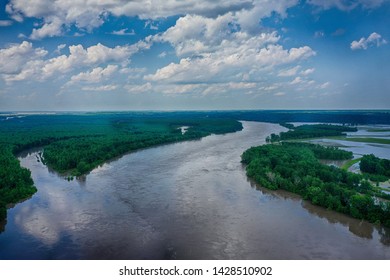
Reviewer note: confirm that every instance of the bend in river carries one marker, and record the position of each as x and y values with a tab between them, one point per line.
189	200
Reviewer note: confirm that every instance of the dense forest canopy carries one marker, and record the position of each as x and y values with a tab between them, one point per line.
295	167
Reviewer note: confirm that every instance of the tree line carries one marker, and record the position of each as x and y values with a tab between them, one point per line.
310	131
295	167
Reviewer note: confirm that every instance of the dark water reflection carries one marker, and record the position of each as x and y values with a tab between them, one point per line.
188	200
2	225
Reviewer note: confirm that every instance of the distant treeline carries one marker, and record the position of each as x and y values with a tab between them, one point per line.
77	143
295	167
351	118
310	131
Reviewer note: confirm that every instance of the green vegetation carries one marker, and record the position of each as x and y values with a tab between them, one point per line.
367	140
377	169
15	182
295	167
310	131
77	143
80	155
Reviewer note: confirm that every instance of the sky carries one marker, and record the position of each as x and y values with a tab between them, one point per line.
94	55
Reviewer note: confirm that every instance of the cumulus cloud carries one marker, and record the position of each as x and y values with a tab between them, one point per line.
21	62
50	29
218	53
233	57
96	75
14	58
374	39
87	15
79	56
249	19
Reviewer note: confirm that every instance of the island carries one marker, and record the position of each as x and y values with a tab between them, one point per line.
295	166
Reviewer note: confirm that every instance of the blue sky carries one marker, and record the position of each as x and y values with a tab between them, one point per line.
194	55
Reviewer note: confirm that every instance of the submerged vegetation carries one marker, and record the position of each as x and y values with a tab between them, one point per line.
77	143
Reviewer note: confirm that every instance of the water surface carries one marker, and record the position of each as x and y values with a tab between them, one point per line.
189	200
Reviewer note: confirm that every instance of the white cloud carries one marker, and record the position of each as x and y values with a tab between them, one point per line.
51	29
162	55
87	15
242	85
249	19
307	71
5	23
124	32
280	93
15	57
324	85
96	75
139	88
84	57
214	51
100	88
232	57
22	62
289	72
374	39
60	48
297	80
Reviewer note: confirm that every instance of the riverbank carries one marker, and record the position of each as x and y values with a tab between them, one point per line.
75	144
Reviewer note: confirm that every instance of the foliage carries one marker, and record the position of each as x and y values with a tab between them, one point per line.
315	131
77	143
376	168
295	167
15	182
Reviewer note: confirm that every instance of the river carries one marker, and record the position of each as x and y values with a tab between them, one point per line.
188	200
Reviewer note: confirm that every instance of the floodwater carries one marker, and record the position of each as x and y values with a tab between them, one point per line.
357	148
189	200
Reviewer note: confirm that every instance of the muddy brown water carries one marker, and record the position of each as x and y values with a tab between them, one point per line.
189	200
